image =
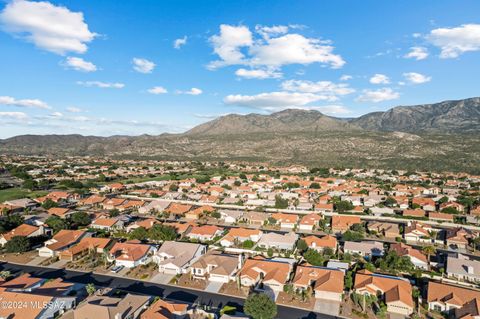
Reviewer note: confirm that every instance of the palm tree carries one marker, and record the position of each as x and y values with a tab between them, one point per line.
429	251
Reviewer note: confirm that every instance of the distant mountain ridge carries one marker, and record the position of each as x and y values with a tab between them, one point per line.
441	136
447	116
290	120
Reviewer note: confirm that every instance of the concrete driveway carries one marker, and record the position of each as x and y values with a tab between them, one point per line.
36	261
327	306
214	286
59	264
162	278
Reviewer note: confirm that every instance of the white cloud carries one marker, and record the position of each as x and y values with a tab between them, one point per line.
143	65
417	53
49	27
383	94
273	100
236	45
346	77
267	32
73	109
192	91
228	43
455	41
327	88
178	43
416	78
99	84
258	74
80	64
34	103
294	49
13	115
379	79
157	90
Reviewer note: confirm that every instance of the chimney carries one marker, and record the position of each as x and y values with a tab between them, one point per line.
470	269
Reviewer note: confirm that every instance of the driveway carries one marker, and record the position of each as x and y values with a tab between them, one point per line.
327	306
162	278
214	286
59	264
36	261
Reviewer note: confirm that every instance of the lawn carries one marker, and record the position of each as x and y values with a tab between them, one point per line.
15	193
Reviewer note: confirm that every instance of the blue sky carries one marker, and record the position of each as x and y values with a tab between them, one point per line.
148	67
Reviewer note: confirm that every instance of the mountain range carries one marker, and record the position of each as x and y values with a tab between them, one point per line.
440	136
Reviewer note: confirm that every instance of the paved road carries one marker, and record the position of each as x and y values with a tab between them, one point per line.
169	292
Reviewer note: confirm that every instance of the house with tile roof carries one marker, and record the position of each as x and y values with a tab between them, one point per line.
264	274
84	246
109	307
216	267
61	241
240	235
417	258
286	220
25	230
205	232
107	224
131	253
456	300
417	232
320	243
463	268
342	223
309	222
175	257
326	283
396	291
278	241
162	309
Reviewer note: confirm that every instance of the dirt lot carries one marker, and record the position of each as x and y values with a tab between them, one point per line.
289	300
22	258
185	281
143	272
231	288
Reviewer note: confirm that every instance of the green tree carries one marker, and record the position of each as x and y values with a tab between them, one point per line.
17	244
139	233
313	257
344	206
56	223
260	306
348	280
390	202
302	245
48	203
113	212
429	251
280	202
80	218
270	252
315	185
161	233
248	244
90	289
352	236
450	210
216	215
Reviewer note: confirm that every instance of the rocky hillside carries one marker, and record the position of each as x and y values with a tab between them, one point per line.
292	120
449	116
443	137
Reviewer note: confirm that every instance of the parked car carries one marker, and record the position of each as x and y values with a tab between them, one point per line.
116	269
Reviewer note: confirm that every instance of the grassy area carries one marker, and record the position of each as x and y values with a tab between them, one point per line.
15	193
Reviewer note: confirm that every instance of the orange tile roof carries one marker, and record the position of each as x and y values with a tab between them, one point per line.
22	230
129	251
324	279
286	218
178	209
394	288
164	310
277	271
205	230
344	222
325	241
449	293
310	219
59	211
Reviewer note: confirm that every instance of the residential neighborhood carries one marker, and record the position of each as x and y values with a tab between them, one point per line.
351	243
